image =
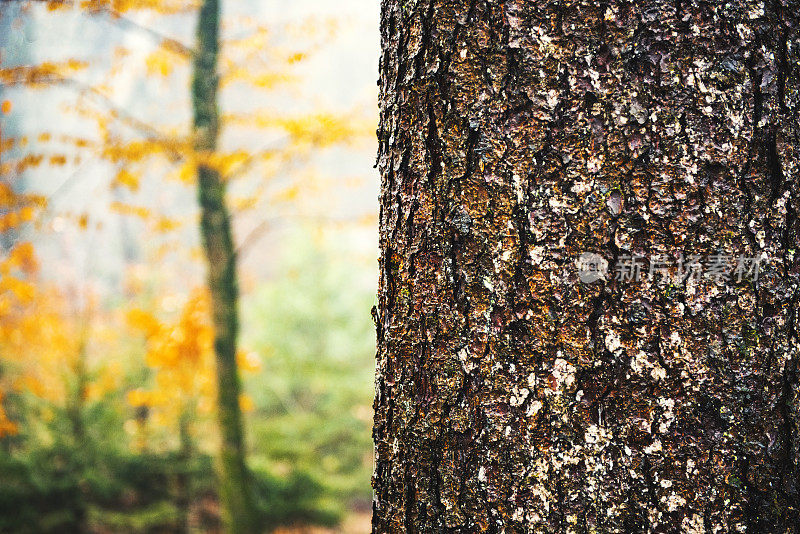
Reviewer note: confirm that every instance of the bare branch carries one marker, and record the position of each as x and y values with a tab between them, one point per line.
117	17
121	114
172	44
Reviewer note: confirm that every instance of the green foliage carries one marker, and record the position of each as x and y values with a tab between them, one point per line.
65	488
72	468
54	480
63	477
298	498
312	328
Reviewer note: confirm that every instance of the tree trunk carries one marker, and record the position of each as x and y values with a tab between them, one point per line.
511	395
183	479
238	507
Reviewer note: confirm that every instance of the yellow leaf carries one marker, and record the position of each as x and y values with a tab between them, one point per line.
187	172
127	179
9	220
24	291
138	397
21	257
141	320
165	224
26	214
128	209
246	403
159	62
248	361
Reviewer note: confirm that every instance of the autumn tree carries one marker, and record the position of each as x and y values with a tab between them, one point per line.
239	511
515	394
192	153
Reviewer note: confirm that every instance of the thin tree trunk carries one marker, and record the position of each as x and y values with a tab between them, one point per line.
76	413
235	489
183	480
515	136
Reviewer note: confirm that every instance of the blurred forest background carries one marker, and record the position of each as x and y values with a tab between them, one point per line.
107	387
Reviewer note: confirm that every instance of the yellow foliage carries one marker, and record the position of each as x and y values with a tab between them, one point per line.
128	209
40	334
246	403
39	339
166	224
248	361
187	172
181	353
28	161
288	194
141	150
43	73
143	321
21	258
106	382
127	179
241	204
7	195
224	163
7	426
139	397
116	7
20	290
14	219
161	62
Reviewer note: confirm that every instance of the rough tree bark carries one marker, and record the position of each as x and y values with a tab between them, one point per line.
237	501
515	135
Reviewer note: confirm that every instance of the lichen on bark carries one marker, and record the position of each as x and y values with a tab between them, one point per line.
515	135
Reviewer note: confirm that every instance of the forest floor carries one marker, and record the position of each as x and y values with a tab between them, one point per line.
355	523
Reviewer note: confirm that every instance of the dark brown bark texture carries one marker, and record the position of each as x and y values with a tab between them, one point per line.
515	135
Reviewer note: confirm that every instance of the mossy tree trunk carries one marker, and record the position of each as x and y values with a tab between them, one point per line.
183	478
83	453
238	507
516	135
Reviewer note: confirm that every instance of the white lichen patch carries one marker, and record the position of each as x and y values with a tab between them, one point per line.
466	363
653	447
563	374
613	342
668	417
690	467
537	255
673	501
594	164
519	396
596	435
533	408
693	525
580	187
